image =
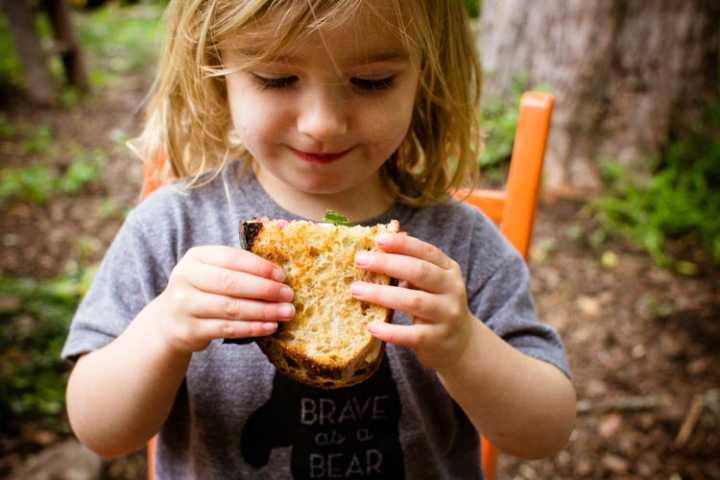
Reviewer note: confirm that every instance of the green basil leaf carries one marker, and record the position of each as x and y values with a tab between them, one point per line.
331	216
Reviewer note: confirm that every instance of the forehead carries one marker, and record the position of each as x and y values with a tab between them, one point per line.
371	32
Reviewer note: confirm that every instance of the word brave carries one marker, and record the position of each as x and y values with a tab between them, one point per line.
324	411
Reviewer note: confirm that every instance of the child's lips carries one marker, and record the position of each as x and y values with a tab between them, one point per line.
320	157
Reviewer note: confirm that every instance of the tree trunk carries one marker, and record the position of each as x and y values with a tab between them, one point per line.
68	47
625	73
27	44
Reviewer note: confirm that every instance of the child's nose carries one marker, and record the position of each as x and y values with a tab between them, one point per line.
323	116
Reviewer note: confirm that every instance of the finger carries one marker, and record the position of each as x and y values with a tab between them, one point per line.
414	302
210	329
413	247
420	273
411	336
222	281
208	305
237	259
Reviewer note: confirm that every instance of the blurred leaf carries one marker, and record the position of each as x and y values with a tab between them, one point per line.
686	268
40	141
7	129
85	168
121	40
70	97
32	184
38	184
679	203
473	7
10	69
32	375
609	259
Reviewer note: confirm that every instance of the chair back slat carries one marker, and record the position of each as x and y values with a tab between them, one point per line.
525	169
490	202
512	209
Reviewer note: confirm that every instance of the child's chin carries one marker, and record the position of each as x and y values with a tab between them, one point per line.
322	186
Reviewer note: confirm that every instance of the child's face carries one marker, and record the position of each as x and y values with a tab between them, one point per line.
330	110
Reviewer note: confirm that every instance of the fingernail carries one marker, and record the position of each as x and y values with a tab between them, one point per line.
269	326
363	258
358	289
287	310
278	274
373	328
286	293
383	238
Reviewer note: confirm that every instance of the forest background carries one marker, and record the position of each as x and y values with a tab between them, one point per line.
626	248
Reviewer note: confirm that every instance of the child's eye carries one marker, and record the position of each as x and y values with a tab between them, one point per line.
373	85
274	83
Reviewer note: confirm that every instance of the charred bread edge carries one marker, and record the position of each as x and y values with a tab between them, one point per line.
249	230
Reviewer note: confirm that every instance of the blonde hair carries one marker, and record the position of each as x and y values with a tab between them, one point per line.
188	118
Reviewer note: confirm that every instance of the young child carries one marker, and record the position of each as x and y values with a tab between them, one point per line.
284	109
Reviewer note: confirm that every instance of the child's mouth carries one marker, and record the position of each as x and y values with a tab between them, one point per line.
320	157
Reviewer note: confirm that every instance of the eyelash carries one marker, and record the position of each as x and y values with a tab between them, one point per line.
363	84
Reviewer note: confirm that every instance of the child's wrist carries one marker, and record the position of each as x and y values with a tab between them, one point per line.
465	351
153	321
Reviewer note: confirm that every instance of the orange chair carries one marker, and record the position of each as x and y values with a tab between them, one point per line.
512	208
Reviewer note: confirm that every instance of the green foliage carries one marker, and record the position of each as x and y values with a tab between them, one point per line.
500	116
37	184
32	184
10	70
35	317
85	168
474	7
40	141
7	129
679	204
70	97
121	39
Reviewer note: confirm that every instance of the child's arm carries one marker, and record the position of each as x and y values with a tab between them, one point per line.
524	406
119	396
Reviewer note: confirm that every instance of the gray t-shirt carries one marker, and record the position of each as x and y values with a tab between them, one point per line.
235	417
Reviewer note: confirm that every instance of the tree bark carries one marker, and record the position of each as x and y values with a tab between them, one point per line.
625	73
69	49
40	84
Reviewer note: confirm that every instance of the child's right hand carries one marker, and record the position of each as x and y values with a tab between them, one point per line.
221	292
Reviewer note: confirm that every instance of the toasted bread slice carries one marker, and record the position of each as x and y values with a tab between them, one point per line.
327	344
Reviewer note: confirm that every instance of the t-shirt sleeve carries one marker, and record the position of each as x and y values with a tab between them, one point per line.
502	300
128	278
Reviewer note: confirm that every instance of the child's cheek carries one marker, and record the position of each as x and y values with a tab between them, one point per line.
388	127
259	123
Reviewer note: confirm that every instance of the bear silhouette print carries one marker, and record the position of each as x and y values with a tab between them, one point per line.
346	433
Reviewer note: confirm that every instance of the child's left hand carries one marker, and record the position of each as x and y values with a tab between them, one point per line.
432	292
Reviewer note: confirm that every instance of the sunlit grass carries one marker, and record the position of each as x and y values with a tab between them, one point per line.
38	184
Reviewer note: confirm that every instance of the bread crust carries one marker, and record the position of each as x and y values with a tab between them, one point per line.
329	370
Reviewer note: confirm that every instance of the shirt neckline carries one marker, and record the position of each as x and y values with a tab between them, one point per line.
249	182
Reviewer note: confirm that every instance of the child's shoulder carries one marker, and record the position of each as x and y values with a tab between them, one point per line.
462	231
454	215
184	199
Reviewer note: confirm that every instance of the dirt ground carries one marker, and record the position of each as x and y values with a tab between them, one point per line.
642	342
